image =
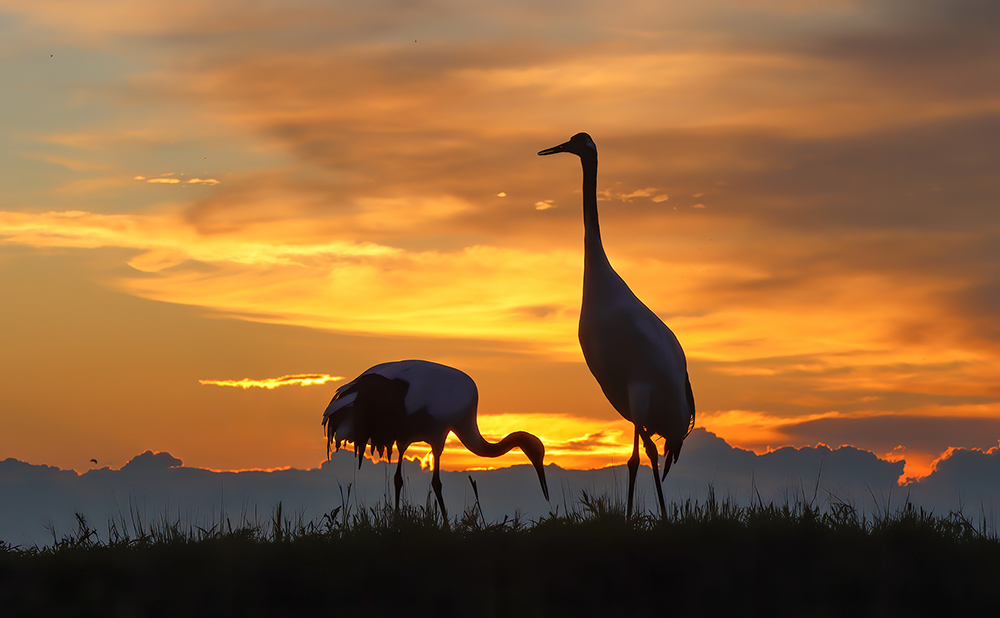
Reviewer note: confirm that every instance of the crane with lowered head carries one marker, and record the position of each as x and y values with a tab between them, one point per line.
411	401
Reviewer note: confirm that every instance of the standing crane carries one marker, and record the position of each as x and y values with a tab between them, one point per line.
635	358
411	401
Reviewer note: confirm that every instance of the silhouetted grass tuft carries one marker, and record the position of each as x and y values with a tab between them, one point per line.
699	558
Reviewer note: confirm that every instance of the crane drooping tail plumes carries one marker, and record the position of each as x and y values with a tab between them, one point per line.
635	358
366	411
417	401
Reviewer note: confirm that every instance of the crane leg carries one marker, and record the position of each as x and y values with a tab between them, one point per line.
398	478
633	470
436	483
654	461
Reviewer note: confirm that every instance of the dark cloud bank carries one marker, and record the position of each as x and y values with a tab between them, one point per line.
157	487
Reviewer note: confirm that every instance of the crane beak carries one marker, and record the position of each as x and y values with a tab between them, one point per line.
554	149
541	479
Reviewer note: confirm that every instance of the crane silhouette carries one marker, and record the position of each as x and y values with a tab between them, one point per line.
635	358
411	401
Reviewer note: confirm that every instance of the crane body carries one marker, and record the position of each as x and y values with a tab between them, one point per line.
635	358
402	402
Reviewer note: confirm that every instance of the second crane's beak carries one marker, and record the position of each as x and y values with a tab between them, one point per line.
554	149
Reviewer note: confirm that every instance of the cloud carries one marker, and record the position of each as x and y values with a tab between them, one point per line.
926	437
392	290
758	431
150	461
652	193
163	233
168	180
308	379
964	479
155	486
921	46
541	311
76	165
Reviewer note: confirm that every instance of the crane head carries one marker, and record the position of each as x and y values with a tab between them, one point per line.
535	450
581	144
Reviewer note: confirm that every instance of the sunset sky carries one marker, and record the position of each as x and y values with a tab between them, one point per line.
806	192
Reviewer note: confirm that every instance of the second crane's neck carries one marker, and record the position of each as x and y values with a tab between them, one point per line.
594	256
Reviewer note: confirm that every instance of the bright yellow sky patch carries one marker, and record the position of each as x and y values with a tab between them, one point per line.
272	383
570	441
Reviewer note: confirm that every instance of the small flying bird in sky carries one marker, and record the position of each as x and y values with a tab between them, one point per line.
635	358
93	461
411	401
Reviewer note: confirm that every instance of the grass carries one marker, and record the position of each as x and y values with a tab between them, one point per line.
700	559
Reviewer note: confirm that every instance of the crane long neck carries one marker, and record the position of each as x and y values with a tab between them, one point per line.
469	435
591	225
593	249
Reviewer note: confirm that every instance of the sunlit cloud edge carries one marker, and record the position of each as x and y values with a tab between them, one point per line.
305	379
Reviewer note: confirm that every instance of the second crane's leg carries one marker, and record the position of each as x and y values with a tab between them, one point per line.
633	470
654	461
436	481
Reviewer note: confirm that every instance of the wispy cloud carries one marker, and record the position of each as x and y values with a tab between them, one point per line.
305	379
159	233
74	164
168	179
461	293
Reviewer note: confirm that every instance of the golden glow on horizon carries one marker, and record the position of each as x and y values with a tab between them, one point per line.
308	379
570	442
585	444
275	469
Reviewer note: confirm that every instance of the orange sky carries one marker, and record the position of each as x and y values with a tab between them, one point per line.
192	191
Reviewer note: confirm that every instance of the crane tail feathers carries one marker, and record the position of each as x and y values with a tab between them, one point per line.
366	412
672	450
690	401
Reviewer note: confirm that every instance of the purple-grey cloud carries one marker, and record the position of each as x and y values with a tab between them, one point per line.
155	487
